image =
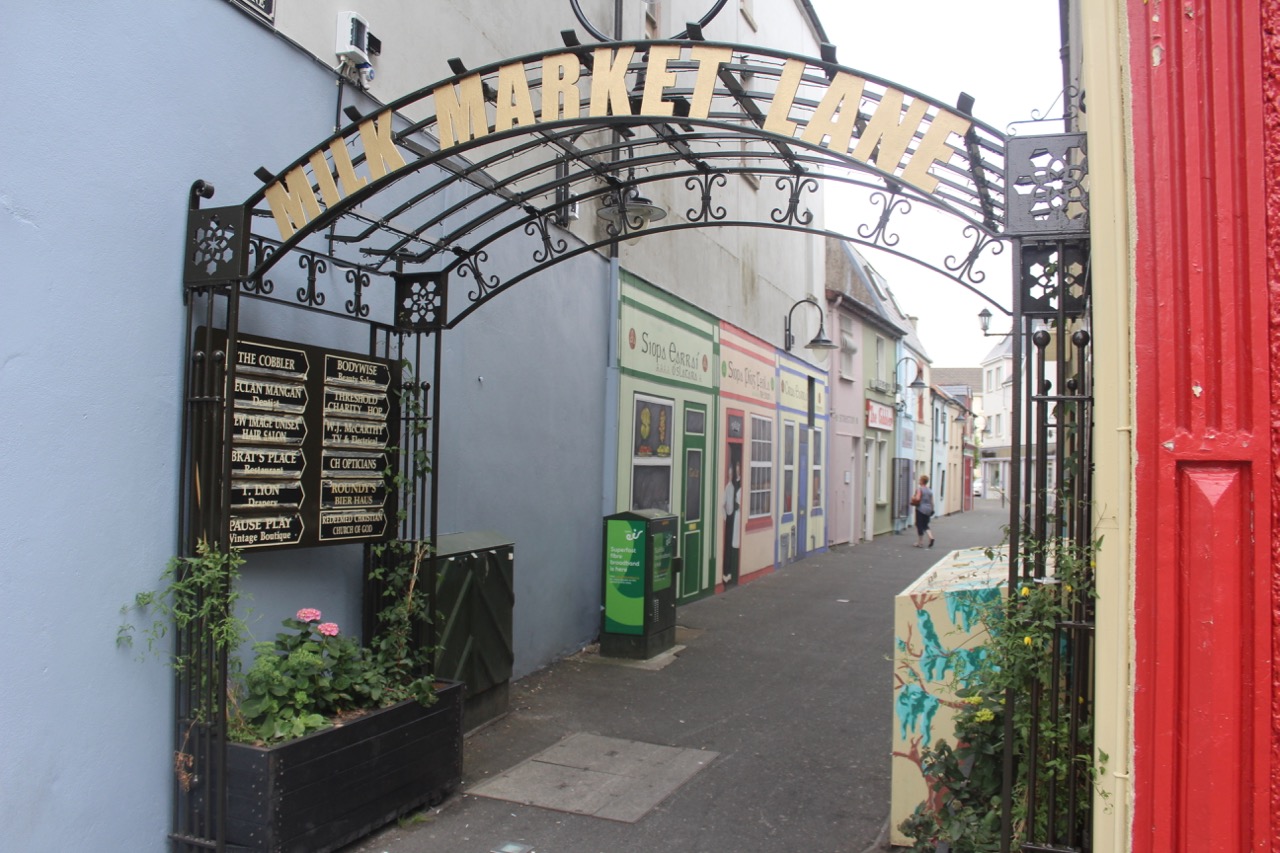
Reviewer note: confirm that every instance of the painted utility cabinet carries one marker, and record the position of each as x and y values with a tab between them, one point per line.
938	640
638	618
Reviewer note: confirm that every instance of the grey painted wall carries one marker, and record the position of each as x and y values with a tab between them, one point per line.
122	108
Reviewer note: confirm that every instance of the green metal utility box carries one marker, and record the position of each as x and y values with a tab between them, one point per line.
639	616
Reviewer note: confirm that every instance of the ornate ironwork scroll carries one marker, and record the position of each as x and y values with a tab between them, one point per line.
470	268
705	183
551	246
359	280
794	185
890	202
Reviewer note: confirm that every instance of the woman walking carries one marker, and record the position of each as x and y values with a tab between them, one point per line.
922	500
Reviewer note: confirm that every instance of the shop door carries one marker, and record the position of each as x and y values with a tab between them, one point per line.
868	492
694	580
802	495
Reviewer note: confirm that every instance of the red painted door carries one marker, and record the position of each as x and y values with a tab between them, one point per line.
1203	771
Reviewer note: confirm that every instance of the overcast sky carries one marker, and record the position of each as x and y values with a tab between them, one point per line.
1005	54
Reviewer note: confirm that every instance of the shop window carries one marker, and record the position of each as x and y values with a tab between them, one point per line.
818	470
761	503
651	441
693	485
788	467
695	422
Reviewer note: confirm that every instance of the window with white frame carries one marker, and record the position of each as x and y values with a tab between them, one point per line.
761	501
788	467
652	429
882	369
848	349
651	15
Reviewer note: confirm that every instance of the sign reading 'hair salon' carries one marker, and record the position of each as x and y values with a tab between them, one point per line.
310	431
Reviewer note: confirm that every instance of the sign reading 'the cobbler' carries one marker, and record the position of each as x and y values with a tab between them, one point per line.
310	431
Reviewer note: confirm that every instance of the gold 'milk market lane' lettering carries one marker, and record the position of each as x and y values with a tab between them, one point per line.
293	202
462	116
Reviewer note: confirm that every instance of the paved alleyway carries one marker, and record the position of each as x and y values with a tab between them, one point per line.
787	680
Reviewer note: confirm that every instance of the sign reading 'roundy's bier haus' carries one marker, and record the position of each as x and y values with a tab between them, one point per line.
310	429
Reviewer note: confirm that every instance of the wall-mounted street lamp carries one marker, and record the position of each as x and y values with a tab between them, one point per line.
917	384
984	320
820	341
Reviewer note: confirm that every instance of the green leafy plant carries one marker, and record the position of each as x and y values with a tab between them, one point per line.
198	592
307	675
966	779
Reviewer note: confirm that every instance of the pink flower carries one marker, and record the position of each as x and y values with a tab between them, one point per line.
329	629
308	614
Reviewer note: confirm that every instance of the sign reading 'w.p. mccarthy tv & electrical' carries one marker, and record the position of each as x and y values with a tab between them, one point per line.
310	434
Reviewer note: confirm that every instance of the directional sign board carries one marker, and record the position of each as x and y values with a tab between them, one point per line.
310	432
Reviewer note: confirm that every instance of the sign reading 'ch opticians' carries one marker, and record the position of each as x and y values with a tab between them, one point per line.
310	430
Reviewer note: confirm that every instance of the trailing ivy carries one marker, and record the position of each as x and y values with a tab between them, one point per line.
966	779
195	592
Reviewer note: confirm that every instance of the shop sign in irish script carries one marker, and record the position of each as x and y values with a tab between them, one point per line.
310	429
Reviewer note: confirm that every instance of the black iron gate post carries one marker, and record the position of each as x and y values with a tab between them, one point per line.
1048	768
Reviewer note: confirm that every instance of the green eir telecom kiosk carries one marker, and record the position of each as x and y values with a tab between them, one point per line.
639	616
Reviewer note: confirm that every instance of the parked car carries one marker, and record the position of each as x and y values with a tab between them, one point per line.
977	487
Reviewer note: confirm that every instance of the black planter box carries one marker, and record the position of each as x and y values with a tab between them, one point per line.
320	792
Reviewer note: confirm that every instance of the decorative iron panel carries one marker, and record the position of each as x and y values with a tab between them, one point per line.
1047	179
1054	279
421	304
216	241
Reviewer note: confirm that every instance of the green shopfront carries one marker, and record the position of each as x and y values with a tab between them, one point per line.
666	414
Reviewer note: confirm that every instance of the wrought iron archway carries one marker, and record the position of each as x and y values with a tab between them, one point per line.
413	216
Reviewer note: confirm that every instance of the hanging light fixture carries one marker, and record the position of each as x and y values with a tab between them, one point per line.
626	211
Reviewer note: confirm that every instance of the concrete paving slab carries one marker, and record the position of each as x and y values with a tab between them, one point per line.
604	777
660	661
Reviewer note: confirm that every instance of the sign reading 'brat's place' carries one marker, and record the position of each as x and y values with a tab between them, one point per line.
310	430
